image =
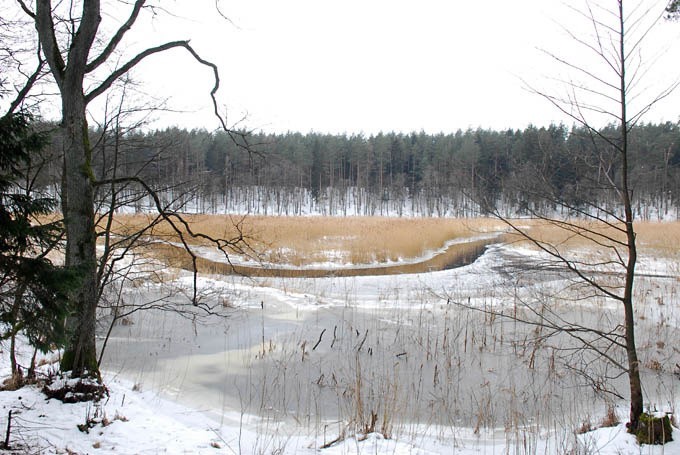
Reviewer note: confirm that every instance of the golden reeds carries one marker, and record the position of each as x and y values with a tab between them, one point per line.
305	240
660	238
301	241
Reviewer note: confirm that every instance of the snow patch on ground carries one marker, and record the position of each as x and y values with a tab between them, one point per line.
337	259
133	420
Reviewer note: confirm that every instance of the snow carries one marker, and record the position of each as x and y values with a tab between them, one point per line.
337	260
136	419
350	201
128	422
617	441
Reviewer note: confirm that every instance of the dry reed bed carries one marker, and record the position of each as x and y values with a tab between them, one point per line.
454	256
300	241
303	240
658	238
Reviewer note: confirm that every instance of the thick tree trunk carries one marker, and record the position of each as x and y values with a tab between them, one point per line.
69	67
80	355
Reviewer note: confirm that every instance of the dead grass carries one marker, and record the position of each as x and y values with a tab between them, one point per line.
301	241
661	238
456	255
610	419
304	240
360	240
574	235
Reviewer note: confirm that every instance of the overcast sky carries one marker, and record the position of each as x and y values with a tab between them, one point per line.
380	65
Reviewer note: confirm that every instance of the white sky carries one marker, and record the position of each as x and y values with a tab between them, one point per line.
377	65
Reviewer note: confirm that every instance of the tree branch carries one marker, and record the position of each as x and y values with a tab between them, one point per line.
30	81
117	38
26	9
115	75
176	221
45	26
85	35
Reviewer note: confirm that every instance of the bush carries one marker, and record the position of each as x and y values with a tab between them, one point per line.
654	430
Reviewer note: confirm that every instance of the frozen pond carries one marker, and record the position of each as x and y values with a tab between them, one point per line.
399	351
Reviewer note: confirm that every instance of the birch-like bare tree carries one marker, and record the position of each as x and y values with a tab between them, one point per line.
596	211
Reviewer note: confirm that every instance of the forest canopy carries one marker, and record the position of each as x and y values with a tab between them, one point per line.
457	174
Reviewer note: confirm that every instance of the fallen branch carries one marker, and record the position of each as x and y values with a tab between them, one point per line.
320	337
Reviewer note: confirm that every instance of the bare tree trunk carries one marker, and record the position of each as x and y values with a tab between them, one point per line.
636	400
69	67
618	51
80	355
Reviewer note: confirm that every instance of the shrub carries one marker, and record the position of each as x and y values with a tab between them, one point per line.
654	430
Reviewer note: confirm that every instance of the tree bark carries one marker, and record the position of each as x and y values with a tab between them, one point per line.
636	400
80	356
69	67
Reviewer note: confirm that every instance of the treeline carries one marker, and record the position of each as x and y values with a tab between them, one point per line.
460	174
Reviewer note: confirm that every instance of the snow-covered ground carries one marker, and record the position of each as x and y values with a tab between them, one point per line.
296	366
134	421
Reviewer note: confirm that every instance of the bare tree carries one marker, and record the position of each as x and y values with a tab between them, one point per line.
76	51
599	210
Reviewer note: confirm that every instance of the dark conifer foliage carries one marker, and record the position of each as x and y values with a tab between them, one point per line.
462	173
33	290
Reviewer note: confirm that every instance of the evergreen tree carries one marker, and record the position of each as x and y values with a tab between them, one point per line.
33	291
